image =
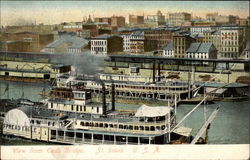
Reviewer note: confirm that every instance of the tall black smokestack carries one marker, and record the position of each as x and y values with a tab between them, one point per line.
113	96
159	71
104	107
154	71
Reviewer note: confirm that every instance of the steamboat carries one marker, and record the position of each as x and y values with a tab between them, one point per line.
130	87
70	116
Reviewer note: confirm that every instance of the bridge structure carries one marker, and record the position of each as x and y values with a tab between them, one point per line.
177	64
127	58
154	63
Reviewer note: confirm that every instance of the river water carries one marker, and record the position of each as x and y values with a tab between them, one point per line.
230	126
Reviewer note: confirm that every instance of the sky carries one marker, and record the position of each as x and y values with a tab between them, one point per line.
53	12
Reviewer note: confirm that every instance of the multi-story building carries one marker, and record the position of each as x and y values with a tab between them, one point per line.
203	23
211	16
126	42
36	41
89	29
201	51
199	37
178	19
83	33
104	31
137	46
231	42
200	29
158	19
162	36
41	28
181	44
72	27
243	21
103	19
134	20
214	38
117	21
222	20
106	44
15	46
127	38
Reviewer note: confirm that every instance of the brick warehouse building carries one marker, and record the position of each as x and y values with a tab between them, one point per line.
36	41
162	36
106	44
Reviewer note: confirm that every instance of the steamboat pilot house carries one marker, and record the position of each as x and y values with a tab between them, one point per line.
76	99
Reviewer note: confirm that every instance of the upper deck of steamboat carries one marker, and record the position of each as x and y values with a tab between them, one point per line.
65	78
38	111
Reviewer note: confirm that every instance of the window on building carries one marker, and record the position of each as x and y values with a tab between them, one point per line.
38	122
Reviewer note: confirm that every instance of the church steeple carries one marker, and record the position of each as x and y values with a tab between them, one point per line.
89	20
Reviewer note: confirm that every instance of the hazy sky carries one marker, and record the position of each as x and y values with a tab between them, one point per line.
52	12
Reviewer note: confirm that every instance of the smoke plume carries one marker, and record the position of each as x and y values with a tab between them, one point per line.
21	22
84	63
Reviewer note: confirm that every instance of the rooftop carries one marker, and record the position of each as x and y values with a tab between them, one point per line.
247	47
219	84
216	33
138	33
161	59
203	26
169	46
231	28
199	47
73	41
104	36
26	70
151	29
199	35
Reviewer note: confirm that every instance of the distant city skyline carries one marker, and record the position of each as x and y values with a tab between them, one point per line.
54	12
